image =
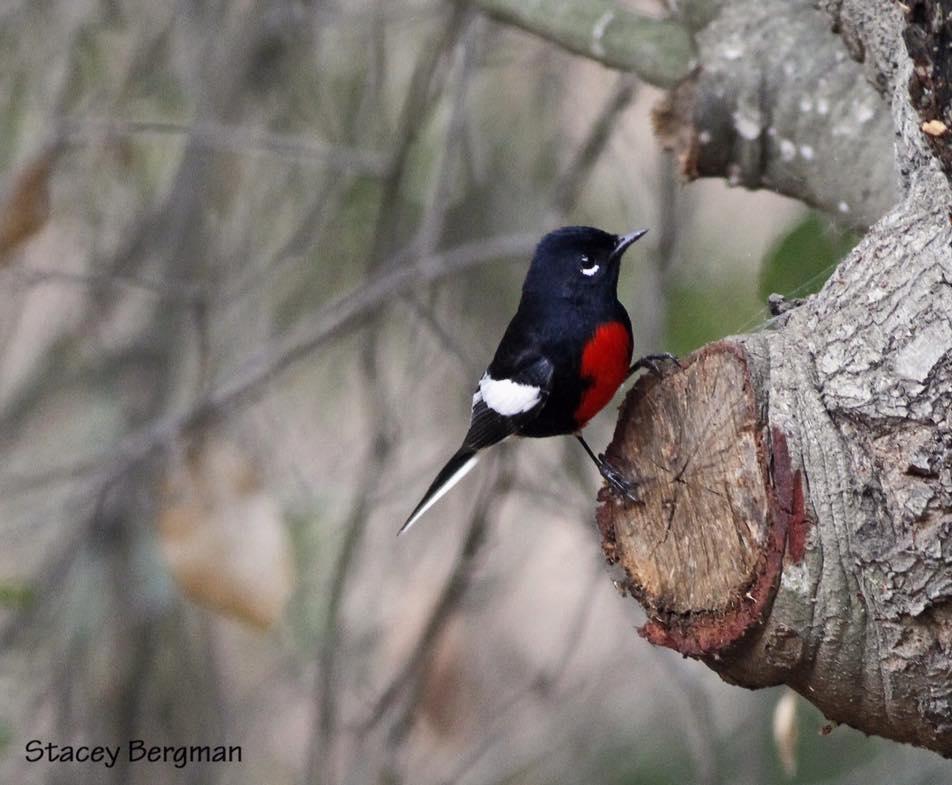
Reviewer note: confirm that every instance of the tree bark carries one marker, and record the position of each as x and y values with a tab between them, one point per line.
797	518
796	525
777	103
659	51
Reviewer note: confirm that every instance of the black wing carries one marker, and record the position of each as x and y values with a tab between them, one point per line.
489	426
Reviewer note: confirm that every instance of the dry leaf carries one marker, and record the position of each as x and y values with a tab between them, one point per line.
785	731
25	208
447	696
934	127
223	536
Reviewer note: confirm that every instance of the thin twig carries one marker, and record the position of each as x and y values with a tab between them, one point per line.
265	365
183	291
545	680
449	597
302	240
431	225
322	760
411	678
425	313
422	93
569	186
673	213
576	630
425	81
220	136
434	217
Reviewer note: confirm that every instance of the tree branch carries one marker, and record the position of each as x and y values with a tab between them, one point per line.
659	51
798	490
233	138
732	112
778	104
265	365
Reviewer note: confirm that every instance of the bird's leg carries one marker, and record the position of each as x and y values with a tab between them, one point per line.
650	361
621	484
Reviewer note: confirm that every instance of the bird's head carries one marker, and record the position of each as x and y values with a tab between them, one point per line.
574	260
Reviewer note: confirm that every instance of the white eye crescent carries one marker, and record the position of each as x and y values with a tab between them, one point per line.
586	269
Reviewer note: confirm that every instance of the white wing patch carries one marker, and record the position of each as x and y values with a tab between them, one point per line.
507	397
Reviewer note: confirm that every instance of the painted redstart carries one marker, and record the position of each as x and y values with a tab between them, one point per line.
563	356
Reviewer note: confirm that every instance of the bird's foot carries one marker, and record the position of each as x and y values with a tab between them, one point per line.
650	362
619	483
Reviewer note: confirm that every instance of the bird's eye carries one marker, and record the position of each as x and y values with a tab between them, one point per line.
587	267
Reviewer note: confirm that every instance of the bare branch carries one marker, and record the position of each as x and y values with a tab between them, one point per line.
263	366
425	88
778	104
572	181
447	602
411	677
657	50
322	754
220	136
183	291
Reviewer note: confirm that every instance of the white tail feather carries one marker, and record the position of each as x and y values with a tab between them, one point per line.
458	475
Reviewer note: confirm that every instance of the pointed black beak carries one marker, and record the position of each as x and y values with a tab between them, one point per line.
625	240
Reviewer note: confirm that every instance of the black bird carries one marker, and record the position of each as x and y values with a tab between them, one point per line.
563	356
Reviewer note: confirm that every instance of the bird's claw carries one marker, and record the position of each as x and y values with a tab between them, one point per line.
620	484
650	362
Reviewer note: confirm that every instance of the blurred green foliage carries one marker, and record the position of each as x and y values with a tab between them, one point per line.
305	611
700	312
796	265
648	761
15	595
815	763
823	754
801	260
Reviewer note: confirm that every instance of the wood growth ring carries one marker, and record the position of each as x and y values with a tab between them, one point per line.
703	552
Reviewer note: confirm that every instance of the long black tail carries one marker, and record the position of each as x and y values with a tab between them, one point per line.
456	468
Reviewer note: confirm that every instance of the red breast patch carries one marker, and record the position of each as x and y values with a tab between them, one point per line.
605	363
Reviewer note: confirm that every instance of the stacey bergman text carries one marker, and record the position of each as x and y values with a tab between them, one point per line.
134	751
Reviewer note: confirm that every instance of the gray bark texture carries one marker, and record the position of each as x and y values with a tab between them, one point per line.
797	518
778	103
796	524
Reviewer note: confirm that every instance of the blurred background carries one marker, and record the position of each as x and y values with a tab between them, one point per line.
253	258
